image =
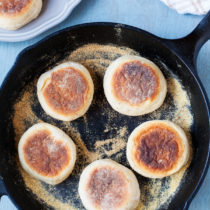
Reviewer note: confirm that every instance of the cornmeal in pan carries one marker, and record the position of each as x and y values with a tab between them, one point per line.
103	132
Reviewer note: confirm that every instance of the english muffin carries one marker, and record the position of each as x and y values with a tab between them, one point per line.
47	153
16	13
65	92
134	85
107	185
157	149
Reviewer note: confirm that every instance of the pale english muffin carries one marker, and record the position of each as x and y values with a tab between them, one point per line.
16	13
134	85
157	149
47	153
107	185
65	92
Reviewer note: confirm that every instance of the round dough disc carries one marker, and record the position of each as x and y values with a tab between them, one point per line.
66	92
107	185
134	85
157	149
16	13
47	153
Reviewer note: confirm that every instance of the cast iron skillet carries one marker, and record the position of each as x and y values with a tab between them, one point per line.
174	53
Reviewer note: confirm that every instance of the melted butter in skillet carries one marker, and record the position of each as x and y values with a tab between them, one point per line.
13	6
135	82
67	91
108	188
110	137
45	155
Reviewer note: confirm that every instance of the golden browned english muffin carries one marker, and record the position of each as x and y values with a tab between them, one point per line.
157	149
47	153
107	185
66	92
134	86
16	13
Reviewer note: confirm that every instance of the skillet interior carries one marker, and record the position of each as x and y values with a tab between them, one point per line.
33	61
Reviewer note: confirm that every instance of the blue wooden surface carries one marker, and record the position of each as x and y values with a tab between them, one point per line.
150	15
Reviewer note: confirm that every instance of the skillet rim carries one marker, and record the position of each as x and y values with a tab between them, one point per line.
163	42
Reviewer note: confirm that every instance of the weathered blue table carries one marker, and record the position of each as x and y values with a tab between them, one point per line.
150	15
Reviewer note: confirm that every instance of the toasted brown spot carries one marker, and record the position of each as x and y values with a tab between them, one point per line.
13	6
135	82
157	148
67	91
107	188
45	155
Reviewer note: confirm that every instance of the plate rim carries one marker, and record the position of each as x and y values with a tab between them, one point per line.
68	7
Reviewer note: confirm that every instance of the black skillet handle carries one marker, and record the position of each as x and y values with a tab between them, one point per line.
188	47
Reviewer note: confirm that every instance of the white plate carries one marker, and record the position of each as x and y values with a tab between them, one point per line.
53	12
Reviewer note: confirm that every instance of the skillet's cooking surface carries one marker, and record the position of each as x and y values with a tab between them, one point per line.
19	109
102	132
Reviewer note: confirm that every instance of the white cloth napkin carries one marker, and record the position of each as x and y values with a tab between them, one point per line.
196	7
